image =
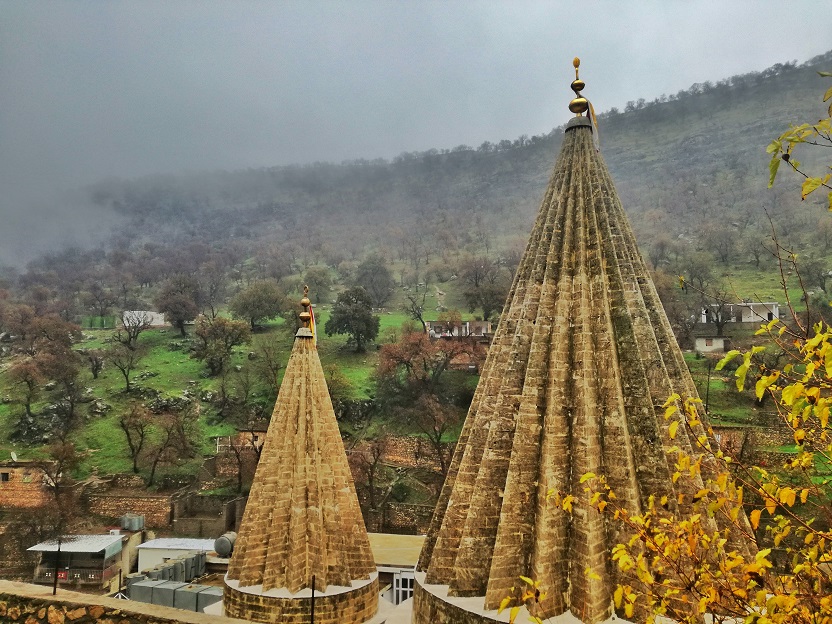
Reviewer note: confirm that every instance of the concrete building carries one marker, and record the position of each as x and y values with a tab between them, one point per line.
745	312
302	527
83	561
396	557
443	329
580	365
712	344
155	552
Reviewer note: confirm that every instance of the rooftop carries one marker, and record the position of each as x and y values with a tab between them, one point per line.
396	550
78	543
179	543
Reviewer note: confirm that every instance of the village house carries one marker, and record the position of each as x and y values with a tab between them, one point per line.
444	329
712	344
144	317
249	438
85	562
22	484
745	312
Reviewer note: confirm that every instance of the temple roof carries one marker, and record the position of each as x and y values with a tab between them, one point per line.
302	517
581	363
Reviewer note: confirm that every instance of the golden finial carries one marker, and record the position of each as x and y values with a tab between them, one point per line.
305	316
579	104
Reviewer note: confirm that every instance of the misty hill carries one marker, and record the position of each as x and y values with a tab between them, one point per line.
686	166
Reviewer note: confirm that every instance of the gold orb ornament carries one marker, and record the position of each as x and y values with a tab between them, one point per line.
579	104
305	316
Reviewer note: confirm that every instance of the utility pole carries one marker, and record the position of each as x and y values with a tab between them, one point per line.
57	559
708	384
312	618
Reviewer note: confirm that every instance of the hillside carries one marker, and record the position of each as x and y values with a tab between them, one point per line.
449	225
681	163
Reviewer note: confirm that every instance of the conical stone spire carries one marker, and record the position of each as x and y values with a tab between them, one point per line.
580	366
302	519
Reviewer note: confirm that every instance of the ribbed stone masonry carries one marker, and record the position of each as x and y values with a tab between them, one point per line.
580	366
302	518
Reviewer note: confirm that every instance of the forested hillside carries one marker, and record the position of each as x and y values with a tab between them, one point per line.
687	166
431	236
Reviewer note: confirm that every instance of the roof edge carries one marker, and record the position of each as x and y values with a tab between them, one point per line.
576	122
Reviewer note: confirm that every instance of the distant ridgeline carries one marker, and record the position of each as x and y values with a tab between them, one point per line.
683	162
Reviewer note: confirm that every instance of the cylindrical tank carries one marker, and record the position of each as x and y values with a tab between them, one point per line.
224	544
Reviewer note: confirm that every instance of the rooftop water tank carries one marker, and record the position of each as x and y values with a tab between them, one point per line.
224	544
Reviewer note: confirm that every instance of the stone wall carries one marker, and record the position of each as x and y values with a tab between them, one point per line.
407	518
226	465
431	609
156	508
23	487
197	515
351	607
34	604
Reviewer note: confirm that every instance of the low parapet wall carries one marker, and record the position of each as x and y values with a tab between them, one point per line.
35	604
352	606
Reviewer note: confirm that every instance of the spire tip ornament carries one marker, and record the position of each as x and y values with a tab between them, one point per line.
305	316
579	104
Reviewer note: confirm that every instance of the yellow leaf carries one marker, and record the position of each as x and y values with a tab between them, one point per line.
673	398
628	609
741	373
671	430
591	575
512	616
617	595
754	517
527	580
728	357
771	505
567	502
804	494
792	392
587	477
764	382
504	603
787	496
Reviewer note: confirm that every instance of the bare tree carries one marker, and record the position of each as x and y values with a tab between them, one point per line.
177	438
95	357
136	425
269	362
415	308
133	323
125	359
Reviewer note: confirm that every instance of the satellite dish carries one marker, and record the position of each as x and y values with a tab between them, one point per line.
14	456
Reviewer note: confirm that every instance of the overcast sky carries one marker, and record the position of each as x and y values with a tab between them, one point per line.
92	89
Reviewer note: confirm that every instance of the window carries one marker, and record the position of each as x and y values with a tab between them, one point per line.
709	342
4	477
402	586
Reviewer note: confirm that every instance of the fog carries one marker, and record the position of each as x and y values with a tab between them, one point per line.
96	89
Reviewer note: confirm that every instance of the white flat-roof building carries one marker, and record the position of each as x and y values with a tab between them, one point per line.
158	551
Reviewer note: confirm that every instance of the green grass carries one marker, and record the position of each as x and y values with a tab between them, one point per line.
726	405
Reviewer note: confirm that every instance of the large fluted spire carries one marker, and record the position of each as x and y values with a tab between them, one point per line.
302	519
581	363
